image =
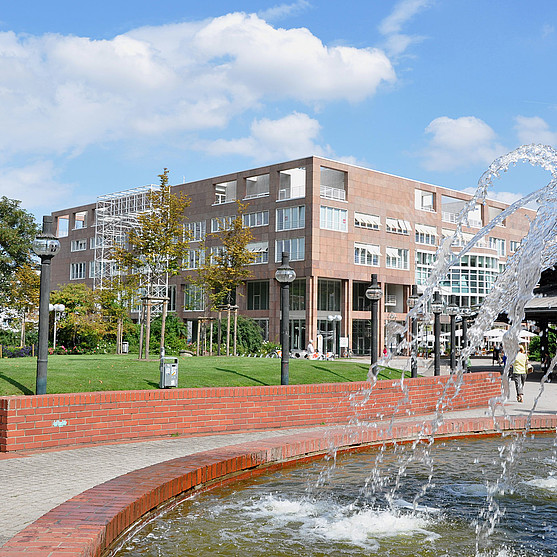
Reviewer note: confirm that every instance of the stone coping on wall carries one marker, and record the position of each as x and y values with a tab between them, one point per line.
89	524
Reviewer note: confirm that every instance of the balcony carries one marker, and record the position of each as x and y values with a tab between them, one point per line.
333	193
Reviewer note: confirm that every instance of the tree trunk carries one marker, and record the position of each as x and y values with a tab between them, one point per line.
141	330
163	322
235	331
22	336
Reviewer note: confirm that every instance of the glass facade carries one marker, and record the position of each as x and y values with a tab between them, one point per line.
328	295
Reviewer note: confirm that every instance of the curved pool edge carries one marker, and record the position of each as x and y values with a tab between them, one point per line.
88	524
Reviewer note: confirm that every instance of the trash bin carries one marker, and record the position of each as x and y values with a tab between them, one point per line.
125	347
169	373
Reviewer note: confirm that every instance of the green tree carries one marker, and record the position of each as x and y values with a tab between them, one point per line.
157	245
83	324
17	232
23	294
228	265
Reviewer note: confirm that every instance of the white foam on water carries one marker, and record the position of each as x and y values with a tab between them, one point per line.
547	484
344	523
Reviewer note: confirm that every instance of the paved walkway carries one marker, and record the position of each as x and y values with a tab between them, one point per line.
33	484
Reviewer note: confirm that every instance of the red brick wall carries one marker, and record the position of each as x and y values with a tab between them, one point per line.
46	421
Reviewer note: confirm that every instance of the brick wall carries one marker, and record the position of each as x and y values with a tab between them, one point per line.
48	421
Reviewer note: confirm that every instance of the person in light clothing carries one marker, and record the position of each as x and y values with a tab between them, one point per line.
520	367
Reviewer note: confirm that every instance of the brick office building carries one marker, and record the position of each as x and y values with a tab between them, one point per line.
339	222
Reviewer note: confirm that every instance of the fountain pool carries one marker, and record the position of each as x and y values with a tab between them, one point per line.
360	506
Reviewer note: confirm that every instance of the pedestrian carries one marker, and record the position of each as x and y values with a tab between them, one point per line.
384	351
520	367
310	349
496	352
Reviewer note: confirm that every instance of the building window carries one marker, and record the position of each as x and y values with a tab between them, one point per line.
328	295
294	246
80	220
292	183
195	258
291	218
62	226
498	244
298	295
396	258
451	208
334	219
494	212
425	200
97	242
171	294
359	300
258	294
261	252
225	192
257	186
194	298
252	220
220	224
514	245
362	220
426	234
397	226
78	245
424	265
366	254
197	230
77	271
333	184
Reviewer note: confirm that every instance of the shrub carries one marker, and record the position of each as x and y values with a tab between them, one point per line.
13	352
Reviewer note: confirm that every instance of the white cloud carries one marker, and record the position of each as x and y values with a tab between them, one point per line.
36	186
59	94
534	130
284	10
460	142
291	137
396	41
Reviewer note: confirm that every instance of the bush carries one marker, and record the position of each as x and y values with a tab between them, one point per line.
13	352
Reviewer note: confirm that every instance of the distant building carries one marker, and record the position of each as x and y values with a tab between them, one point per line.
339	222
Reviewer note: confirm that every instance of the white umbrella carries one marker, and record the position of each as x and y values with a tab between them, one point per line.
495	334
526	335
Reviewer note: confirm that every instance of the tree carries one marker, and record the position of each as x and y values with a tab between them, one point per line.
17	232
228	265
23	294
83	324
156	246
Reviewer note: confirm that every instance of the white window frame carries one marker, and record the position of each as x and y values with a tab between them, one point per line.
253	220
294	246
221	224
225	192
290	218
78	270
79	245
426	235
397	226
397	258
333	218
197	230
261	252
367	254
195	294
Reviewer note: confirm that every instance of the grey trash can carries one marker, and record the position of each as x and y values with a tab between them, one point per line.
169	373
125	347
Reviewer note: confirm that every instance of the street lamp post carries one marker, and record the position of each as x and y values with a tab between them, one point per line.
58	309
46	246
374	293
411	302
333	319
437	309
285	275
452	311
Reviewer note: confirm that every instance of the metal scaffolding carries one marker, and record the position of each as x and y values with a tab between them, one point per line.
116	214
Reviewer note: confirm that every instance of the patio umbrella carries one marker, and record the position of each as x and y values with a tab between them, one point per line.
495	334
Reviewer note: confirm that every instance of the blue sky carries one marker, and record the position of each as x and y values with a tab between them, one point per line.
99	97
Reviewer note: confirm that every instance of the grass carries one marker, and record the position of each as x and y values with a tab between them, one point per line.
67	374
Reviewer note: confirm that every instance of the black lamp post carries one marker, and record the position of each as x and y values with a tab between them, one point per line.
437	309
374	293
452	311
411	302
46	246
285	274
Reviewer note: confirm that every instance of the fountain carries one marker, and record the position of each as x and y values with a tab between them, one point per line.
469	498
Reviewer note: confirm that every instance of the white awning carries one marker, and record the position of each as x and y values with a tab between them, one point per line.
392	252
258	247
372	220
424	229
374	250
404	224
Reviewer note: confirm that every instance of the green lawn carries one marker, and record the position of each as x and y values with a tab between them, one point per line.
119	373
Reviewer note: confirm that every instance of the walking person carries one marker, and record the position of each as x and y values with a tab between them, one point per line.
520	367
